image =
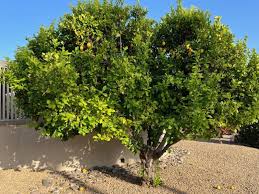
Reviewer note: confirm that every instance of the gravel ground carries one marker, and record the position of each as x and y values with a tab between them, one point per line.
191	167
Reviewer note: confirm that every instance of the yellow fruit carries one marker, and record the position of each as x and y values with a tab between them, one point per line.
82	47
81	189
89	45
218	187
163	43
84	170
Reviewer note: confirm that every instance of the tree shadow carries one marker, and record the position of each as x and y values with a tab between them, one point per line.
21	146
121	173
77	181
127	176
115	172
173	190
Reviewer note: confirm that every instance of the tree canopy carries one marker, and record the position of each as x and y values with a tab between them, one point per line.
109	69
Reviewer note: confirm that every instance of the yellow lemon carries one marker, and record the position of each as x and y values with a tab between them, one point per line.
82	47
89	45
81	189
84	170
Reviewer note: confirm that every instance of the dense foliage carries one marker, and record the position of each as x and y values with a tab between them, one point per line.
87	74
249	135
106	68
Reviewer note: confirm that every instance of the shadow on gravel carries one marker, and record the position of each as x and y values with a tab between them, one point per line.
127	176
116	172
173	190
72	179
121	173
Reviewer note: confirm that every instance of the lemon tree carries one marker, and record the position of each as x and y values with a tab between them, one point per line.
106	68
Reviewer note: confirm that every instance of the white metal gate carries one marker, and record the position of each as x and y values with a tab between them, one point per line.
8	108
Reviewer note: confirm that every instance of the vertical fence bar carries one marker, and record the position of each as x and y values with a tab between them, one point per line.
13	109
19	114
8	109
7	103
16	115
0	99
3	96
12	106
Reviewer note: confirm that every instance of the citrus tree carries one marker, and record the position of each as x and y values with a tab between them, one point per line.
107	69
202	80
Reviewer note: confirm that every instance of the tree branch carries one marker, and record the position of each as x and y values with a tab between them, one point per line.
160	152
161	140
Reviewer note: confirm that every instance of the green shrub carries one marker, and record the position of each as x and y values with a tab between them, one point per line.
249	135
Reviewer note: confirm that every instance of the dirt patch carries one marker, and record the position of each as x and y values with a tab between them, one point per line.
192	167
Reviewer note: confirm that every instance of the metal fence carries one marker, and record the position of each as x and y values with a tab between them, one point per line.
8	108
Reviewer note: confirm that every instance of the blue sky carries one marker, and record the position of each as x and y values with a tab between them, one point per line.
21	19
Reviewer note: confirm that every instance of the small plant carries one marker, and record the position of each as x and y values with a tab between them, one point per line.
157	181
141	172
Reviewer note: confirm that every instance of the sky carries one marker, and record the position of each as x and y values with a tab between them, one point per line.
21	19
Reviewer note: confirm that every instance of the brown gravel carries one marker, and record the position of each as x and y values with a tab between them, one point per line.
25	181
208	168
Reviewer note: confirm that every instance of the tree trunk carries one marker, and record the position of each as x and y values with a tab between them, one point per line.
150	154
148	163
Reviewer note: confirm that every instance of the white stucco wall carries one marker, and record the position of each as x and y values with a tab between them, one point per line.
21	146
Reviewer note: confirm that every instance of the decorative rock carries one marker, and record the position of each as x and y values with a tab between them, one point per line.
61	184
55	191
74	187
46	182
17	169
180	161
